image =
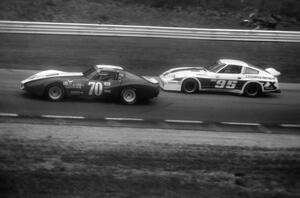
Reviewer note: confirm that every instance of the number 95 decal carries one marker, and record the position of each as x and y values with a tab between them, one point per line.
229	84
96	88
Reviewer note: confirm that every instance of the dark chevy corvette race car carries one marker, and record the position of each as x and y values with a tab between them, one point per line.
98	81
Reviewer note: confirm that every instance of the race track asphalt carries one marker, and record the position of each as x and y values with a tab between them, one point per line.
24	54
144	56
283	108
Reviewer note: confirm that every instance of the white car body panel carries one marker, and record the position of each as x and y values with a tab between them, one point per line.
50	74
173	79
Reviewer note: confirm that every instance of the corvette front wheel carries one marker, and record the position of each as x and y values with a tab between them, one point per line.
128	96
55	92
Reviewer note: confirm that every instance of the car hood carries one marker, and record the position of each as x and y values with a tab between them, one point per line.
182	72
50	74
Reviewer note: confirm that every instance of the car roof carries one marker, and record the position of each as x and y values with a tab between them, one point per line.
234	62
109	67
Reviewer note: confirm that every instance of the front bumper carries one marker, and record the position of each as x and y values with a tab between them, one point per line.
168	85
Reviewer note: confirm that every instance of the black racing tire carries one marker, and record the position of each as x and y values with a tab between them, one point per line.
128	96
55	92
189	86
253	90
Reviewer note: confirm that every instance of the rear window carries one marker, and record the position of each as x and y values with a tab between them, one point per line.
251	71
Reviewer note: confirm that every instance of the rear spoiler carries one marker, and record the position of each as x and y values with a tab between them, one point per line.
273	71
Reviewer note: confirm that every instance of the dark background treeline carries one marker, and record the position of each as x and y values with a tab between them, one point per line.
178	13
284	7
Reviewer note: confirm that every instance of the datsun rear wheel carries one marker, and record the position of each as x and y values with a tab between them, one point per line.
252	90
189	86
55	92
128	96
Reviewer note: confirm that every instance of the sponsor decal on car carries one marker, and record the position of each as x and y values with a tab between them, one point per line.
260	77
269	85
72	85
107	84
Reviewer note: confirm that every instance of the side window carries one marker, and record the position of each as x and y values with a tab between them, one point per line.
231	69
108	76
251	71
121	76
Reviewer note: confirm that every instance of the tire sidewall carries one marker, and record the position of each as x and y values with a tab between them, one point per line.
196	86
257	93
123	100
61	89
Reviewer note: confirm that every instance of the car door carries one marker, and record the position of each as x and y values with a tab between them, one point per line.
103	83
228	78
75	86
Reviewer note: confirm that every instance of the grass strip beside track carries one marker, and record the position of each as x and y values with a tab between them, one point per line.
60	161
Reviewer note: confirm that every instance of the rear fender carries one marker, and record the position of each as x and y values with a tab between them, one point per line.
247	83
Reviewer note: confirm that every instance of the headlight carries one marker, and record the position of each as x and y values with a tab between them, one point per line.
22	86
170	76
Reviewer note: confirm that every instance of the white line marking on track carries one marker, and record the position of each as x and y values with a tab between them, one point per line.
125	119
9	114
60	116
185	121
241	123
291	125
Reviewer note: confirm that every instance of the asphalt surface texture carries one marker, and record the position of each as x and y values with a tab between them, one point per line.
170	108
22	55
144	56
100	148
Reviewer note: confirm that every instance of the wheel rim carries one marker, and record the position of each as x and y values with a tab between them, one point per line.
190	86
55	93
252	90
129	96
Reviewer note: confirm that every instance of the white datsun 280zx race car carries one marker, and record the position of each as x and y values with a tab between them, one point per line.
226	75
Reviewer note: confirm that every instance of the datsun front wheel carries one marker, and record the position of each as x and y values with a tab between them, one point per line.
128	96
189	86
55	92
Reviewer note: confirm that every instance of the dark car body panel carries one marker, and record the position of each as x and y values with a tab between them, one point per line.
95	87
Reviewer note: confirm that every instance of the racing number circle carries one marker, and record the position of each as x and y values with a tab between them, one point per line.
128	96
189	86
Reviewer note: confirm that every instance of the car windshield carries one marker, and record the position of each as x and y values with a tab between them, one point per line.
215	67
90	72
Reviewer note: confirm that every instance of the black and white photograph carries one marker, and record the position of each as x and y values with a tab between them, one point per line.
150	98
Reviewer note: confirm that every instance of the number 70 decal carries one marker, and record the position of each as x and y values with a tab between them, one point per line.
96	88
229	84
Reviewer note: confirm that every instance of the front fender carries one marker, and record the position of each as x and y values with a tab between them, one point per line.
38	87
196	79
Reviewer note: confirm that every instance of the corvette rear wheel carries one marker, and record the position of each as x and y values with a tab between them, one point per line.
189	86
128	96
55	92
252	90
